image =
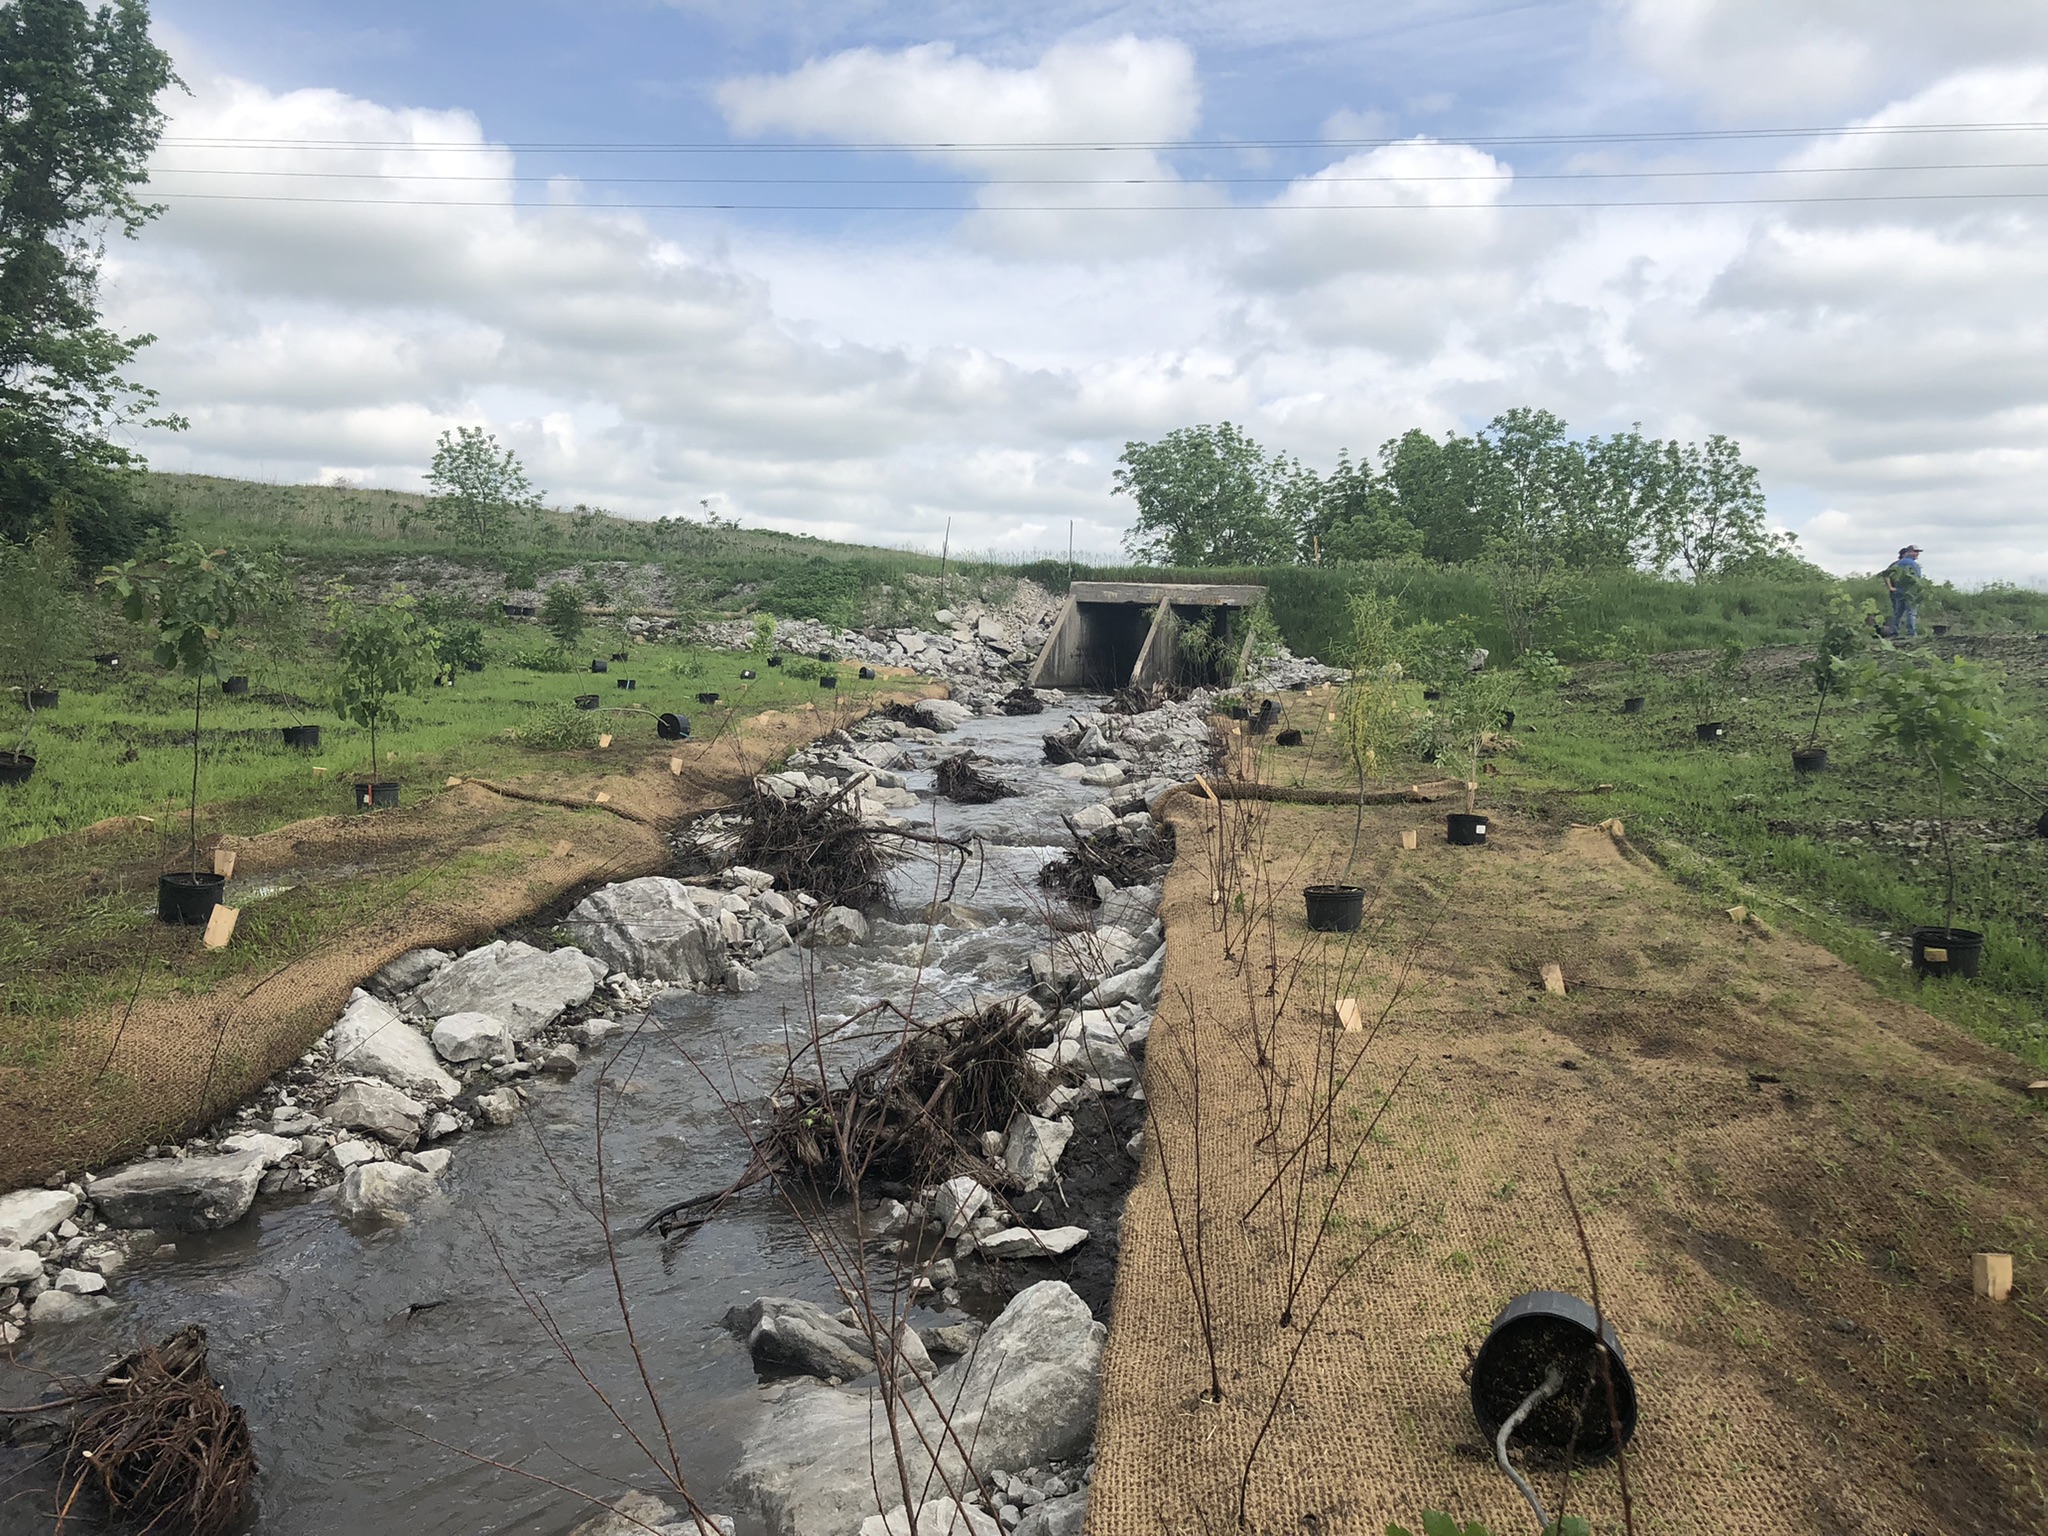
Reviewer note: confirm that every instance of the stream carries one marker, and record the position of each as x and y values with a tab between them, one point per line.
353	1355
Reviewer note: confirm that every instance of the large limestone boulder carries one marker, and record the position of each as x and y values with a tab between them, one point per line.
371	1038
837	927
379	1109
371	1190
1032	1147
634	1513
462	1037
526	987
29	1214
18	1266
181	1194
783	1334
1026	1396
941	714
651	927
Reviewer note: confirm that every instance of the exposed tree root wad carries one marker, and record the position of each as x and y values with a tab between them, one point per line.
962	780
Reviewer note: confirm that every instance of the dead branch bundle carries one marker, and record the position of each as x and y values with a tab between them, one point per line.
1060	746
1121	855
965	779
1142	698
161	1446
1021	701
913	1115
818	845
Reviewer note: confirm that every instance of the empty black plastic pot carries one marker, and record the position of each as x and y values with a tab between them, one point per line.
188	898
1947	952
1288	738
619	655
586	701
1507	719
867	674
1298	687
15	767
628	682
1536	1333
1334	908
236	684
1432	694
746	674
1259	723
301	735
106	659
1466	828
1238	712
600	666
2041	826
381	795
672	727
774	661
42	698
824	656
519	610
1809	759
1632	705
1711	730
707	698
1941	629
829	680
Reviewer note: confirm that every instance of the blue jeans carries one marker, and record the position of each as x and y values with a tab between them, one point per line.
1905	617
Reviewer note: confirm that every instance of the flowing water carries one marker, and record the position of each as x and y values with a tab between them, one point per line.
383	1372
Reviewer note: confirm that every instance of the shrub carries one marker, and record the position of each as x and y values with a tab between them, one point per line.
560	728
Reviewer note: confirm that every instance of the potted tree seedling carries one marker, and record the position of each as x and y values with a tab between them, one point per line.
1947	720
385	653
461	648
194	598
1709	691
1632	650
561	612
1434	655
42	626
1372	717
1473	711
1844	632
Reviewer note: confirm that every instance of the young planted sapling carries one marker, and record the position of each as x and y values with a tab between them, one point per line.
385	653
42	622
1845	633
1475	711
561	612
1946	719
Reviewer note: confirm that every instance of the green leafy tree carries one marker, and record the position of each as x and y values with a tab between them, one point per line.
1209	495
1711	515
1358	517
78	120
1845	634
195	599
1435	655
562	613
1945	718
460	646
474	489
42	618
1443	491
763	640
383	654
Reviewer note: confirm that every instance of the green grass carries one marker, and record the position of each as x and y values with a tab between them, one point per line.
119	744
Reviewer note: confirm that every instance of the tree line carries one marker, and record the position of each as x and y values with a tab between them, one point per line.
1520	490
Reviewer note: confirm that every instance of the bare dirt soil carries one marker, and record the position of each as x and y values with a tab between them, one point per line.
174	1034
1784	1175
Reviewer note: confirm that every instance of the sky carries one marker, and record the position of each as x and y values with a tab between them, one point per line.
914	272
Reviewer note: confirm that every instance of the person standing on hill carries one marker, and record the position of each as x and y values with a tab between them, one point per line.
1902	579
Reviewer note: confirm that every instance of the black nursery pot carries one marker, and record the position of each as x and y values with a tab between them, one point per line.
867	674
2041	826
15	767
1711	730
1432	694
586	701
1633	705
519	610
619	655
1941	629
186	898
42	698
629	682
379	796
672	727
106	659
1259	723
824	656
1238	712
235	684
1288	738
1947	952
1298	687
1466	828
1507	719
774	661
1334	908
1535	1333
600	666
747	674
1809	759
828	681
472	666
301	735
707	698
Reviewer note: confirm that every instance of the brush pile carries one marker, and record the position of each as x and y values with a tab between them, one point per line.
915	1114
1021	701
1143	698
818	844
161	1446
964	780
1121	854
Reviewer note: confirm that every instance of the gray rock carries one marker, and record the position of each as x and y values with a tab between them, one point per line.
837	926
1024	1398
526	987
1033	1146
592	1033
463	1037
379	1109
634	1513
941	714
1139	984
498	1107
80	1282
408	972
958	1201
58	1308
651	927
562	1059
1024	1243
272	1149
181	1194
784	1334
1056	1517
935	1517
29	1214
371	1038
18	1266
352	1153
381	1190
433	1164
440	1123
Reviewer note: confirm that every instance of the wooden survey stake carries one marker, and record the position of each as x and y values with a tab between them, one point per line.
1553	979
1991	1275
224	865
675	765
1410	838
605	740
562	849
1349	1016
221	926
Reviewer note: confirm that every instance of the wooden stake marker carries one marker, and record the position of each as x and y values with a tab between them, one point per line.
1553	979
2038	1092
1991	1275
605	740
562	849
224	864
1349	1016
319	773
603	798
1411	839
675	765
452	781
221	927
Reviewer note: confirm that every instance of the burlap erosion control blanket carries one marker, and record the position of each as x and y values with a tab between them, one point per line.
1783	1172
